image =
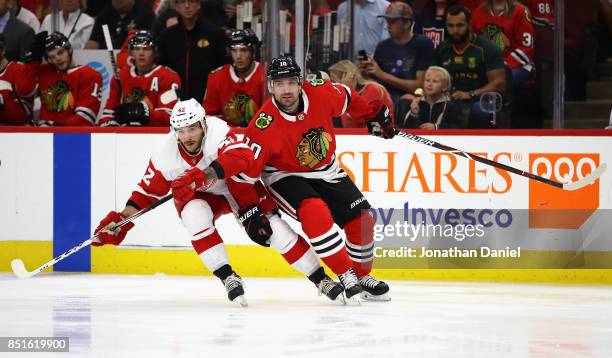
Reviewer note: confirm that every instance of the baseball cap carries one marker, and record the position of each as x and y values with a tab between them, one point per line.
398	10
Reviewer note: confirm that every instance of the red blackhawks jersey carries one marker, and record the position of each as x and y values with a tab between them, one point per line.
224	84
69	98
302	144
170	160
544	26
17	91
157	88
512	34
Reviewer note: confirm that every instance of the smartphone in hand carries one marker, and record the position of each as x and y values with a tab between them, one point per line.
362	55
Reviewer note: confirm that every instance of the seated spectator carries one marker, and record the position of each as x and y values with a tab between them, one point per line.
193	48
506	23
17	34
147	92
121	17
399	62
25	15
475	64
235	91
73	23
16	91
70	94
434	109
347	73
431	20
369	28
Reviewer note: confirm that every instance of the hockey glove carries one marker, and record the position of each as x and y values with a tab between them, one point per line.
382	124
106	236
256	225
185	185
37	48
132	114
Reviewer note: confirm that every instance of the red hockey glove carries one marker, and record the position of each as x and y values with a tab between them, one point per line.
184	187
382	124
256	225
105	235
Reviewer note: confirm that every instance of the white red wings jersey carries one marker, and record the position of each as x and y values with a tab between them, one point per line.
69	98
170	160
223	84
512	34
17	91
157	88
301	144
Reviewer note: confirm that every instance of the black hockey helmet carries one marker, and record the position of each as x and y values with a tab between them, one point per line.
244	37
283	67
57	40
142	38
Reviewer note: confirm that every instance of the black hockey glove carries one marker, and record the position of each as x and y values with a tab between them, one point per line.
37	48
382	124
131	114
256	225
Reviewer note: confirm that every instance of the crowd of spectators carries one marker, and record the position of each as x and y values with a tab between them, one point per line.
431	61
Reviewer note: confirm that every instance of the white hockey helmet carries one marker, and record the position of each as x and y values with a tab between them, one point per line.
186	113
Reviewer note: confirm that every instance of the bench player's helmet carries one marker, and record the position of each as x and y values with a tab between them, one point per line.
142	38
246	38
186	113
57	40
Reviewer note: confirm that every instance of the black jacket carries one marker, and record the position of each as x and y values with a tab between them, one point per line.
18	36
452	112
193	54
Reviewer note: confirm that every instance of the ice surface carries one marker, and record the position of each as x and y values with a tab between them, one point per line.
174	316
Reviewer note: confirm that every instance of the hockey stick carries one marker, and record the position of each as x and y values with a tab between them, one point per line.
21	272
111	54
589	179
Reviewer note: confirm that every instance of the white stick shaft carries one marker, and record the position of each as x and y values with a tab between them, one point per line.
107	37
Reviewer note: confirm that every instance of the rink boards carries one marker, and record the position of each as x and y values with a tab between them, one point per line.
58	185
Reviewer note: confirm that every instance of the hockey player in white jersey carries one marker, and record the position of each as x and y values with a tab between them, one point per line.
202	148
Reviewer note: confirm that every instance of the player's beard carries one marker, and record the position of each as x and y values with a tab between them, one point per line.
288	103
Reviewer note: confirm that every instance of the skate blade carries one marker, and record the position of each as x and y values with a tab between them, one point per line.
353	301
373	298
241	301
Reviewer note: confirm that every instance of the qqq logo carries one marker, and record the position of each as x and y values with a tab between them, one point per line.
551	207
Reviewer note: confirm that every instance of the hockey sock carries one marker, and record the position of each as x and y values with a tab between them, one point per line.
317	224
360	243
210	248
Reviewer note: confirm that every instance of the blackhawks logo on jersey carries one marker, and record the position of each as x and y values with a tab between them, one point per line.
496	35
313	147
239	110
137	94
57	98
263	121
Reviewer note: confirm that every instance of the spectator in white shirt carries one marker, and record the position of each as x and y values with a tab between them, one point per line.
73	23
370	28
26	16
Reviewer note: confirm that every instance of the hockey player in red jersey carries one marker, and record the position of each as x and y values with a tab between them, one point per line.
201	150
507	24
235	91
70	94
294	143
147	91
16	91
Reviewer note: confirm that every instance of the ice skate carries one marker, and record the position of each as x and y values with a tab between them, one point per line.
332	289
235	289
352	289
373	289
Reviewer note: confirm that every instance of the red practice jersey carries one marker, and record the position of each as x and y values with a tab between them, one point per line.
17	91
69	98
301	144
157	88
512	34
223	85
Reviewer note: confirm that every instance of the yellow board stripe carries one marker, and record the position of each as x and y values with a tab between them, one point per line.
256	261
